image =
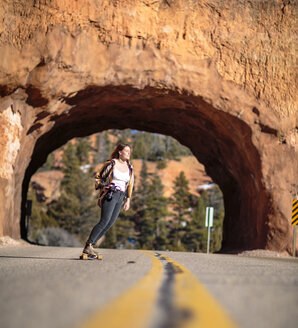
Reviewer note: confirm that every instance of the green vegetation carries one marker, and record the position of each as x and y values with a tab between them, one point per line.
74	210
148	146
153	222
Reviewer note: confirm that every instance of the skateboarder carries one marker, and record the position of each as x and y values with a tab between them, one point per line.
115	183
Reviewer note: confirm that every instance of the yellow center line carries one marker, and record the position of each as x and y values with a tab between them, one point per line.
133	308
191	297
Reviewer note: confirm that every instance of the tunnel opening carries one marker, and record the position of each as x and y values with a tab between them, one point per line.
220	141
171	193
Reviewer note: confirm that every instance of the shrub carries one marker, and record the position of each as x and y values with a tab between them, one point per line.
56	237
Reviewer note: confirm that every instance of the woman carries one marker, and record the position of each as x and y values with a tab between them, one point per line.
117	172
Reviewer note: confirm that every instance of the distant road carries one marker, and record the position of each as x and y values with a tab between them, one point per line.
48	287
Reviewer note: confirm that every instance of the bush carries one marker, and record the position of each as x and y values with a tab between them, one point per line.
162	164
56	237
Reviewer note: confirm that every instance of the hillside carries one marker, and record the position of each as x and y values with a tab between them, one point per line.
47	183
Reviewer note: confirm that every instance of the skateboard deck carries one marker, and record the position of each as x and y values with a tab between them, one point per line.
87	257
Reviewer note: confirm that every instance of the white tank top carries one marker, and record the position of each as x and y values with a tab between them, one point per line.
120	179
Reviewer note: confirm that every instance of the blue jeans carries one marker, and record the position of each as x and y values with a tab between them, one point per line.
110	210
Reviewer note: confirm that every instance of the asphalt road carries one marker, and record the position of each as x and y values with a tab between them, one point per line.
49	287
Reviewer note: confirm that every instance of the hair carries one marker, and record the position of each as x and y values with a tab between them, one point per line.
119	147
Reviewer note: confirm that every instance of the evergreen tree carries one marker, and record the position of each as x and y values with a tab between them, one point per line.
156	147
181	205
110	238
99	149
199	212
216	201
173	149
124	136
137	212
181	196
196	234
50	163
152	233
120	234
104	147
125	231
162	164
71	168
140	148
39	218
75	210
195	238
83	148
143	188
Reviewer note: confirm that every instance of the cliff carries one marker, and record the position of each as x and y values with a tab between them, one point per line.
216	75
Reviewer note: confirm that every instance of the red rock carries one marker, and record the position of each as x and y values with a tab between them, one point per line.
218	76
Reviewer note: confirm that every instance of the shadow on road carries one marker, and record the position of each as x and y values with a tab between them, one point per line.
39	258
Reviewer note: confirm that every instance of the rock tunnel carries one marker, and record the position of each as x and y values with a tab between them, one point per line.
85	69
230	158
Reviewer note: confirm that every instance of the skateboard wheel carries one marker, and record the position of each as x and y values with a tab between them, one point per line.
99	257
84	257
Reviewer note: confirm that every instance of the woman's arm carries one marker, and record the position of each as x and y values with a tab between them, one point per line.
101	177
129	189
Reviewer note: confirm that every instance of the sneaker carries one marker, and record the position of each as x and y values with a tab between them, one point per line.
89	250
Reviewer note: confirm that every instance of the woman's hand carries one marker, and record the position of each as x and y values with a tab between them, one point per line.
108	186
127	205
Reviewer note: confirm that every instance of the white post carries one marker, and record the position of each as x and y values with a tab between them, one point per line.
209	223
208	241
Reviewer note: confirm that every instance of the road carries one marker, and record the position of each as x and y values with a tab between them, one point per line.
49	287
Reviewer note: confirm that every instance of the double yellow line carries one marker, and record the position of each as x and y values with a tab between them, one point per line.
135	307
192	296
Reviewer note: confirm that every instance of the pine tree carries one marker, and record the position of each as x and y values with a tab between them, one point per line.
103	147
124	231
158	147
181	196
140	148
216	201
83	148
143	187
196	234
181	205
173	149
110	238
49	164
75	210
199	212
124	136
39	218
152	234
137	211
195	238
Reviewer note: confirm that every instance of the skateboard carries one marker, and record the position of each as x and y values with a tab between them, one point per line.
88	257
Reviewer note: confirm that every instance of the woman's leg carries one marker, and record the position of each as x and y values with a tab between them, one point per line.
114	215
109	213
107	208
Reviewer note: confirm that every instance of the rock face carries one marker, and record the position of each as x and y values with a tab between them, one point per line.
216	75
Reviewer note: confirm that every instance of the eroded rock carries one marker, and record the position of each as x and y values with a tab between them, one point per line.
218	76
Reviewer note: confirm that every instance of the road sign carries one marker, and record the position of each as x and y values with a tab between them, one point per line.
294	222
295	212
209	217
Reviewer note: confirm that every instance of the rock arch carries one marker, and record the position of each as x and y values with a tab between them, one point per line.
82	70
230	159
